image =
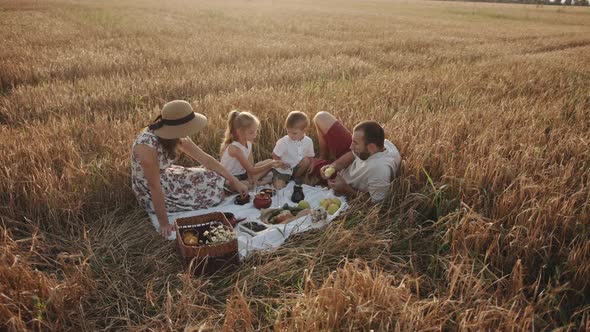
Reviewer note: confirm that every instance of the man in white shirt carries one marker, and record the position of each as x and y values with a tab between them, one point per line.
370	163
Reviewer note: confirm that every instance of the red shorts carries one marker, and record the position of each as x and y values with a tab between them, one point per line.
338	139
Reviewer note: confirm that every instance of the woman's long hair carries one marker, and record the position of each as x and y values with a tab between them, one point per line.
237	120
169	145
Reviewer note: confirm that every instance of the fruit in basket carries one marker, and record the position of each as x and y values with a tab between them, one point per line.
324	203
336	201
190	239
304	205
332	208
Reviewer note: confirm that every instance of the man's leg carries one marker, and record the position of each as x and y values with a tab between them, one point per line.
323	121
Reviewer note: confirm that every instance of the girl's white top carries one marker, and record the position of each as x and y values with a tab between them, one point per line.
232	164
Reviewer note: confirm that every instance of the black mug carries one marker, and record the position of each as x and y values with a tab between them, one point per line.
241	200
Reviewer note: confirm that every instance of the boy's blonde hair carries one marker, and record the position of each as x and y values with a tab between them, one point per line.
237	120
296	117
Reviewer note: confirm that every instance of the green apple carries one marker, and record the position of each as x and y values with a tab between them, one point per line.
329	172
325	203
336	201
332	208
304	205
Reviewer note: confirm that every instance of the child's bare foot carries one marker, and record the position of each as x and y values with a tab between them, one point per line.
264	182
303	167
279	184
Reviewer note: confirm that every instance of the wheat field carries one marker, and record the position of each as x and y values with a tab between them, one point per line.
486	228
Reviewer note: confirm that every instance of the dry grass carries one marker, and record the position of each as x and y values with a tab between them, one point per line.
486	228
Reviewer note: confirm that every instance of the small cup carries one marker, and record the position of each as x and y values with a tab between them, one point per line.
241	200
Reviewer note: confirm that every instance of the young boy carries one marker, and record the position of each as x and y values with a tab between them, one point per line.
295	150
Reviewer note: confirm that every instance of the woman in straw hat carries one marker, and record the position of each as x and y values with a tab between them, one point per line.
159	185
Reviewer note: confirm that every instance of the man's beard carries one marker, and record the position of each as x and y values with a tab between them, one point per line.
363	155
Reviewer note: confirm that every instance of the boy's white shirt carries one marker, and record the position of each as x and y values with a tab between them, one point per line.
375	174
292	152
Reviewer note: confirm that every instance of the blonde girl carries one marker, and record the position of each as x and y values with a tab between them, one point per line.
236	150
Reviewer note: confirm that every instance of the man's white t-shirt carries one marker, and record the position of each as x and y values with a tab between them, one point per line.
292	152
375	174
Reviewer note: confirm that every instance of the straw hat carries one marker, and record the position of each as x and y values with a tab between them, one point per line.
177	120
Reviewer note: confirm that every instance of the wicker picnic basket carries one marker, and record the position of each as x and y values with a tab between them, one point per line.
210	258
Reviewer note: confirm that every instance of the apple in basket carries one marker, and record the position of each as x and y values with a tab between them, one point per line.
190	239
262	200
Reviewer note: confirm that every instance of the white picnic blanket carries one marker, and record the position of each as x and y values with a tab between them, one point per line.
275	235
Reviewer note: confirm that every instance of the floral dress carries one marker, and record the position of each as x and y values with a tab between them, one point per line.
185	189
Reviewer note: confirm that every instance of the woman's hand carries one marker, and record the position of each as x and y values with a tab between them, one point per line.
148	158
240	187
166	230
191	149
